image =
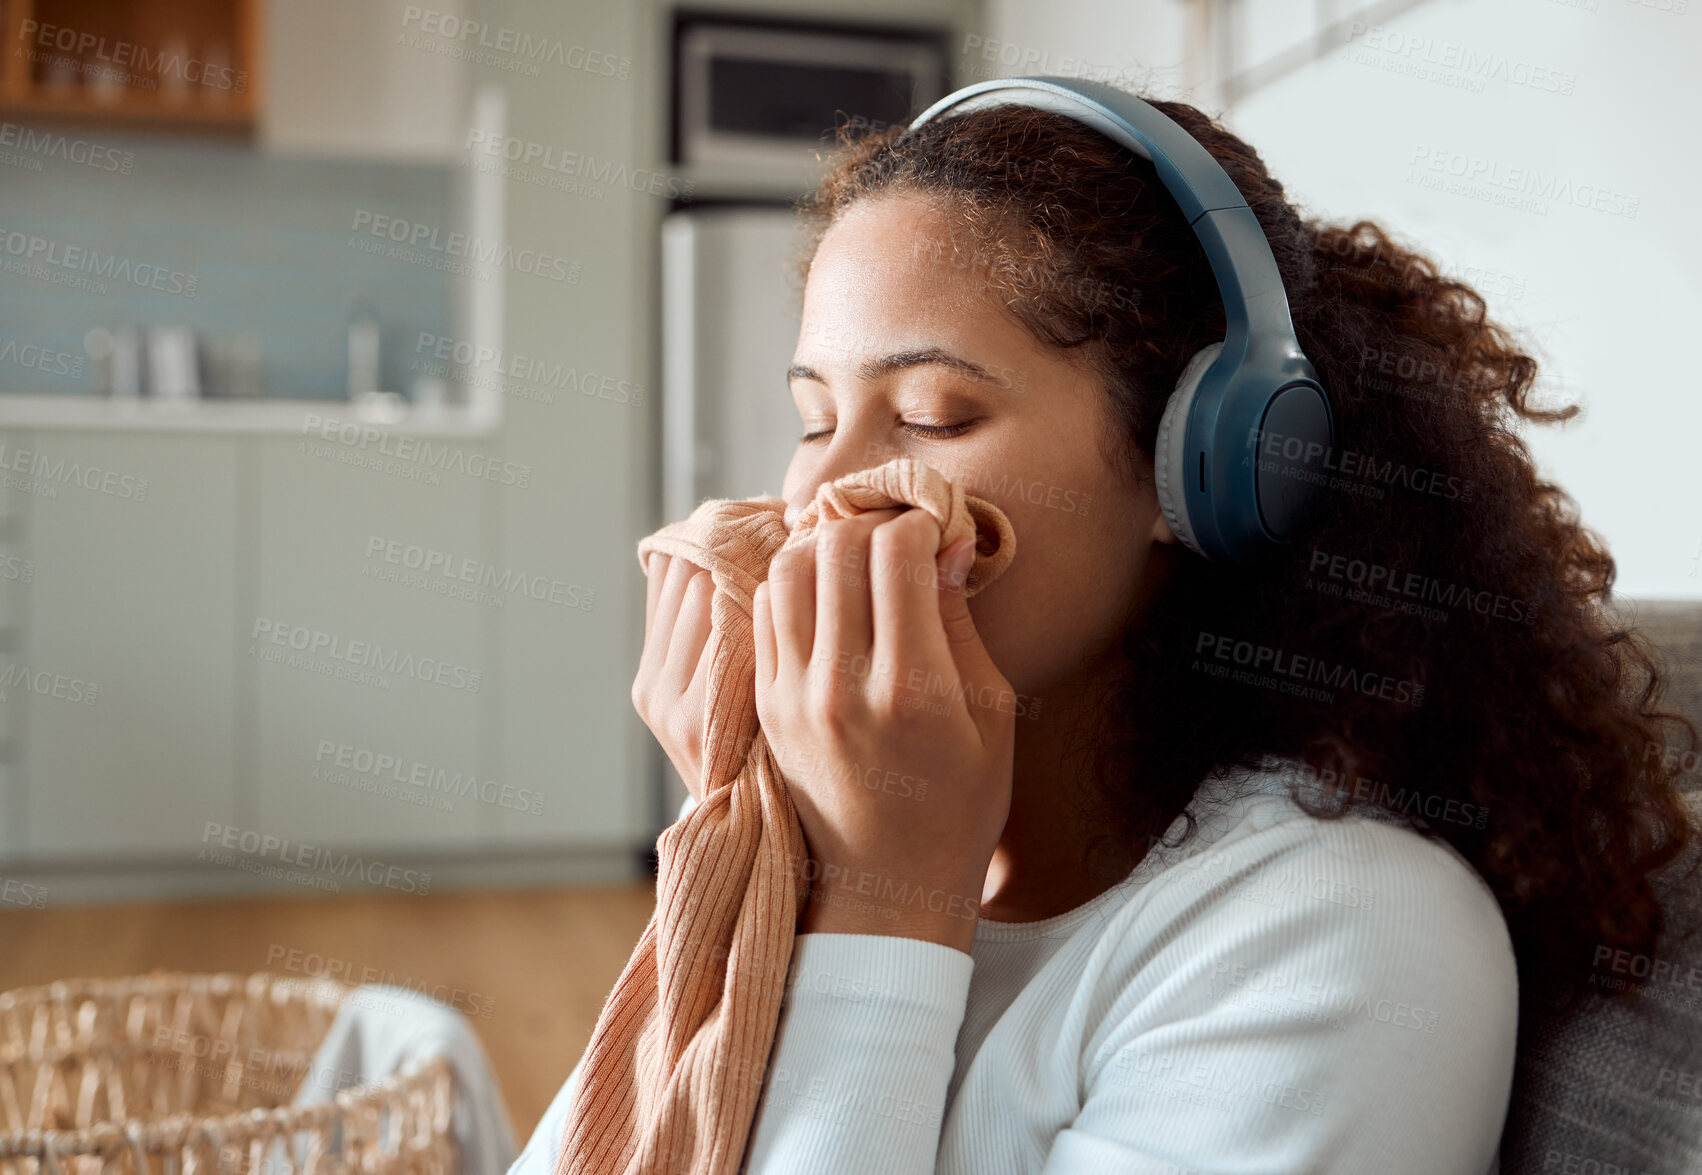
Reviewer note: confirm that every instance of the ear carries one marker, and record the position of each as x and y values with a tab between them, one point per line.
1161	532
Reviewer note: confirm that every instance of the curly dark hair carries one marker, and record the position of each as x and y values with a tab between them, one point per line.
1512	716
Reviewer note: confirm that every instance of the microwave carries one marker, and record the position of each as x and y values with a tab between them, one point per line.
765	94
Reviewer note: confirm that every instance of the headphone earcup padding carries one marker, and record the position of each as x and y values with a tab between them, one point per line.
1170	456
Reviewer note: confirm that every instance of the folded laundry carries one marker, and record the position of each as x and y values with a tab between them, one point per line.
382	1029
671	1079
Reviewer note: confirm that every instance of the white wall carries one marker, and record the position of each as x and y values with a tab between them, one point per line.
1606	301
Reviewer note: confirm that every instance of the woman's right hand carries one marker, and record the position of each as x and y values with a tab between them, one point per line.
673	670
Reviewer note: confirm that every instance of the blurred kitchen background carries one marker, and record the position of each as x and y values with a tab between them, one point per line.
348	348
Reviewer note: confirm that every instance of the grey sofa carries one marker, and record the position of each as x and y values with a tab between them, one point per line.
1616	1089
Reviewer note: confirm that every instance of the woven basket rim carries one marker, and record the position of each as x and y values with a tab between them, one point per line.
154	982
326	992
90	1139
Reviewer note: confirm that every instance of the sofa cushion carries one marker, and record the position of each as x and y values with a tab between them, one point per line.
1615	1087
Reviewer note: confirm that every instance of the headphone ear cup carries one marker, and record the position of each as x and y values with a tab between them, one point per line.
1170	453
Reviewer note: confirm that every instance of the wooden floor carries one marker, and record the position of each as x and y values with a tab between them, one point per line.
540	962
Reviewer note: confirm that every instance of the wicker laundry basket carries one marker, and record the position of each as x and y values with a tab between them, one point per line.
175	1074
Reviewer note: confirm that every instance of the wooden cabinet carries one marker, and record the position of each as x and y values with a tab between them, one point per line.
157	64
369	79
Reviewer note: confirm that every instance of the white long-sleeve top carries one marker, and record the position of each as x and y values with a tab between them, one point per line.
1280	994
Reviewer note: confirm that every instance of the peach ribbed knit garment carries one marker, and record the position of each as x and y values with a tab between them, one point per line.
672	1076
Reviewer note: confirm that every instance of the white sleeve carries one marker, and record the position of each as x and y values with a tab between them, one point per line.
863	1055
542	1149
869	1020
1349	1005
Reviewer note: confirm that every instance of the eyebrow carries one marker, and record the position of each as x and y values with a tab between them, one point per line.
872	369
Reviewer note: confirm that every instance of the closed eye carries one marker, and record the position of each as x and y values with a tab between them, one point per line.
930	431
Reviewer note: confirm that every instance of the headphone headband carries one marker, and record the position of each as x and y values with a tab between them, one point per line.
1257	383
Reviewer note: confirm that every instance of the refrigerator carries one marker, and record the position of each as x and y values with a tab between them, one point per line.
731	309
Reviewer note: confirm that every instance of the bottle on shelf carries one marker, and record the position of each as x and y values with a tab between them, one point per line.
363	351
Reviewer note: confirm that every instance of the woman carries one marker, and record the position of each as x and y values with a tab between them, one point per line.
1197	911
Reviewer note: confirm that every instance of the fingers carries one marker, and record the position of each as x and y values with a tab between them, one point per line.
690	628
906	591
762	632
844	615
668	645
652	587
664	573
791	602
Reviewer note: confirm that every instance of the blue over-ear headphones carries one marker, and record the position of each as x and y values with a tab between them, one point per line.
1253	396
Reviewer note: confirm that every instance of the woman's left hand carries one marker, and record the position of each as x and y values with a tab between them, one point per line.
891	724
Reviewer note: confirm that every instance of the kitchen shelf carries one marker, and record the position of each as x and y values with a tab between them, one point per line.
265	416
134	111
190	65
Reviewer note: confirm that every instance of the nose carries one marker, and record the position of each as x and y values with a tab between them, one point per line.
795	505
843	456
